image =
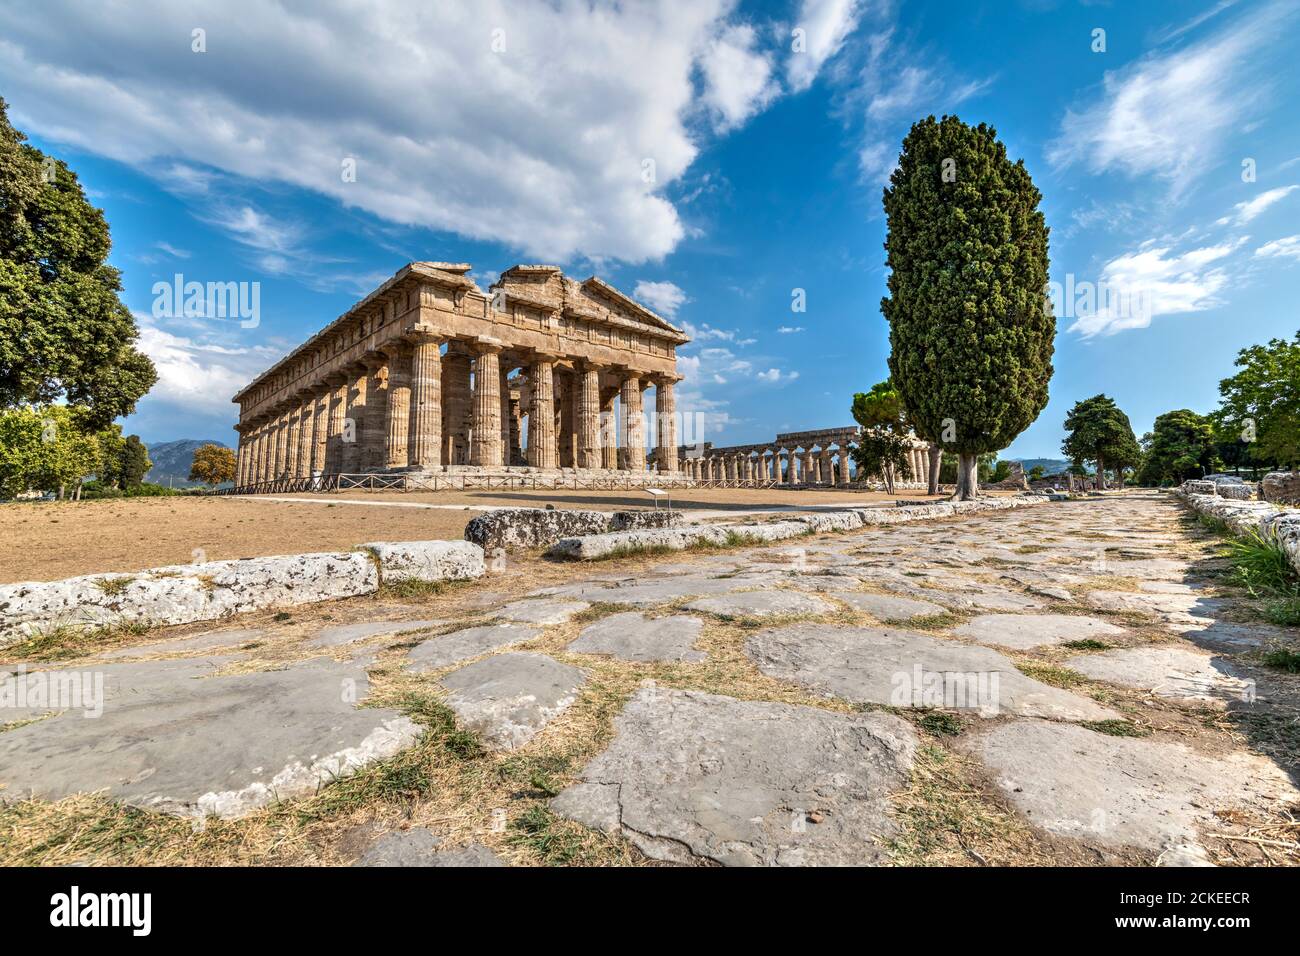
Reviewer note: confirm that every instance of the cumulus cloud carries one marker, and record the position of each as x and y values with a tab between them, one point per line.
525	123
662	297
198	372
1168	114
825	25
1288	247
775	376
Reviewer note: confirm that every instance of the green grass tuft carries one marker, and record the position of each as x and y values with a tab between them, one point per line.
1087	644
1117	728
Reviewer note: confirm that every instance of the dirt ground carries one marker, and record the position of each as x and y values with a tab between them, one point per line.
45	541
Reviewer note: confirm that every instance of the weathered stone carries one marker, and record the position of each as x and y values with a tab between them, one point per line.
1239	492
419	847
1263	518
1154	605
184	593
1116	791
508	698
697	777
1023	631
887	607
447	649
339	634
532	527
909	669
541	612
762	604
427	560
636	520
208	641
1177	672
248	740
1282	488
632	636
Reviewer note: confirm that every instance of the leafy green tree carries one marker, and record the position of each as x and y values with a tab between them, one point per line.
45	449
882	446
1001	471
1037	472
1180	446
212	464
970	330
111	446
64	333
135	462
1097	431
1261	403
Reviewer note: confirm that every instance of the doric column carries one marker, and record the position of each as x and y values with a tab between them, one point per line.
397	413
306	436
424	429
609	450
748	464
845	476
457	399
541	414
808	467
486	447
633	424
338	405
373	434
510	449
589	453
259	454
277	463
320	429
354	421
292	419
825	474
666	412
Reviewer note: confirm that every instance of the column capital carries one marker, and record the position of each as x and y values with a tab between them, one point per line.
482	345
420	332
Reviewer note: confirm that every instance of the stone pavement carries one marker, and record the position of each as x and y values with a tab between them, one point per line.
1100	690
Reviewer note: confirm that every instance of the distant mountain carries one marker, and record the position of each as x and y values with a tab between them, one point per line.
172	460
1051	466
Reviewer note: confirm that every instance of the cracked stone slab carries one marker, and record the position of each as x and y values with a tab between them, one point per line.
762	604
1177	672
887	607
1155	605
643	592
1023	631
508	698
447	649
693	777
1119	791
175	739
631	636
339	634
542	612
419	847
908	669
1228	636
211	640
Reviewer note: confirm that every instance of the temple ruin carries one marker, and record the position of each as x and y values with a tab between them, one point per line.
413	387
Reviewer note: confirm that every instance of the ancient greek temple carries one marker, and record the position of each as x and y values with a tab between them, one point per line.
416	384
822	457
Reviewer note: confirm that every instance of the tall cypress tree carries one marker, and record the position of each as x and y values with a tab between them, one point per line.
970	328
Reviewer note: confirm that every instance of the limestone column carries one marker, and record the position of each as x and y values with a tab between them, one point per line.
666	412
486	447
277	462
354	421
808	467
825	473
259	454
291	429
424	429
457	400
633	424
541	414
609	450
397	414
375	435
306	436
845	476
338	404
320	429
509	452
589	452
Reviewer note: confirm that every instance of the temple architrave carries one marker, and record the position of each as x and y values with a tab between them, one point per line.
819	458
417	382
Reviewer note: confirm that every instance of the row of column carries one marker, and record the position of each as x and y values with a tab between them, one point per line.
388	413
792	467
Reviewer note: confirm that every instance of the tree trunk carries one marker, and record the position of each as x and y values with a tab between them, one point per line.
968	485
1101	474
888	475
936	465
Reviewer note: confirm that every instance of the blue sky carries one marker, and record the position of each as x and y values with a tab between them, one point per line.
501	132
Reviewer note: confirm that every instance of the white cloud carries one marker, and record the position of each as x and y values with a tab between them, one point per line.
199	374
776	376
826	24
1288	247
1168	114
1136	287
541	146
662	297
737	78
1246	211
789	329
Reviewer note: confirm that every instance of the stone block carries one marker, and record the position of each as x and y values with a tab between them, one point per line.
1282	487
532	527
427	560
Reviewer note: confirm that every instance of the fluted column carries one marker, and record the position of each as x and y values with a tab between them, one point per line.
825	474
486	442
292	419
633	424
320	429
259	454
397	413
541	414
374	433
845	476
609	450
354	421
338	405
424	431
457	402
306	436
589	454
508	441
277	460
666	412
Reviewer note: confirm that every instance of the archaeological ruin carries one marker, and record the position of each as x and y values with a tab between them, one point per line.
414	387
818	458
